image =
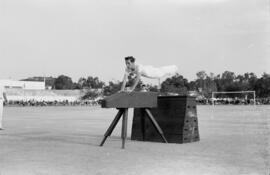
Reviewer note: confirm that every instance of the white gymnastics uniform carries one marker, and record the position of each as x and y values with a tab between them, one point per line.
157	72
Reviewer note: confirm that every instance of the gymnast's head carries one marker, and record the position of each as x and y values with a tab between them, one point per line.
130	62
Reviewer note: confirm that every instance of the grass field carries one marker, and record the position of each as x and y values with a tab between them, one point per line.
64	141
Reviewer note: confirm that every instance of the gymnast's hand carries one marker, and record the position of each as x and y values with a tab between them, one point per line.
123	90
129	90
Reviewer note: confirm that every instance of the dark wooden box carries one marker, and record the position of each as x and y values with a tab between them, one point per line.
177	117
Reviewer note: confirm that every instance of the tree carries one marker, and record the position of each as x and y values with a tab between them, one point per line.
252	81
176	84
229	76
112	88
50	82
152	88
201	76
81	82
93	83
205	84
225	81
90	83
209	86
262	86
63	82
192	86
91	95
76	86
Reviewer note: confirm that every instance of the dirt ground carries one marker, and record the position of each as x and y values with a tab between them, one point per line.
235	140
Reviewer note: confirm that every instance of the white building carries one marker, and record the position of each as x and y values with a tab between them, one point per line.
31	85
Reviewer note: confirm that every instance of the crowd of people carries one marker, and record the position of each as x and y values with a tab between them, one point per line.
204	101
233	101
53	103
263	101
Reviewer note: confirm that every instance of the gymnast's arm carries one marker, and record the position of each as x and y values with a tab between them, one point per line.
124	82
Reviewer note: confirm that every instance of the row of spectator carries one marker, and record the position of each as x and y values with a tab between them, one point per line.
218	101
234	101
52	103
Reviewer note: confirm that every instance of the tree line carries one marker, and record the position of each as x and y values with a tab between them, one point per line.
204	84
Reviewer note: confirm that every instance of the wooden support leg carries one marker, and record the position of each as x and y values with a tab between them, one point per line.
112	126
124	128
157	127
143	123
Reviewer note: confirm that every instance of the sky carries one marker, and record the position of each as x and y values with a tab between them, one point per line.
81	38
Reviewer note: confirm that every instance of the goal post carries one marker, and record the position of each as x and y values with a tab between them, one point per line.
233	92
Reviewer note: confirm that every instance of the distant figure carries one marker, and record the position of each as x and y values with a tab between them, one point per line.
2	98
145	71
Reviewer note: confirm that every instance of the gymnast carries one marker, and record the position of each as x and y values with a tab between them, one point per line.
147	71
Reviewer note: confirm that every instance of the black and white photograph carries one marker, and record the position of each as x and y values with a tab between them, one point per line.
134	87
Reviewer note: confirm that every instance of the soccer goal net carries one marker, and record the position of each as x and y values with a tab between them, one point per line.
234	97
